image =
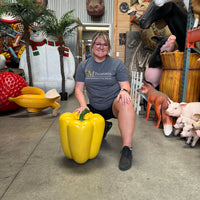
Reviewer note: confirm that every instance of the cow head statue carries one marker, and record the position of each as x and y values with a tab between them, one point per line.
95	8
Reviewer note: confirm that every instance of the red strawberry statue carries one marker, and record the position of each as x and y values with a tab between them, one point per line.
10	86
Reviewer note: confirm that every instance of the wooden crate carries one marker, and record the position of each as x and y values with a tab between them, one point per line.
171	78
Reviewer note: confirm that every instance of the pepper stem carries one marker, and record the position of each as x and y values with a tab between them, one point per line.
11	99
85	111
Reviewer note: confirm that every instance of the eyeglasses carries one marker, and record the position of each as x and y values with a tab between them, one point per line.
99	44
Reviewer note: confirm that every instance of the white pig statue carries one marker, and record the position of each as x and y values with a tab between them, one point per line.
180	123
190	134
184	112
183	109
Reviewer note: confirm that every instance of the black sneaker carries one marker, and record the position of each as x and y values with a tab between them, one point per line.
126	158
108	126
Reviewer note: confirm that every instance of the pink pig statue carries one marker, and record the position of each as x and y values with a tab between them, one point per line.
183	109
190	134
180	123
184	112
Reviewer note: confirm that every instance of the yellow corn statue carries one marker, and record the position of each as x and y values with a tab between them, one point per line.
81	135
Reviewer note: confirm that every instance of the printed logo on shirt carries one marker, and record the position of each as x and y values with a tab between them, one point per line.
88	73
104	75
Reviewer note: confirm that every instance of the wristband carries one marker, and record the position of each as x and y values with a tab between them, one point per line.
124	90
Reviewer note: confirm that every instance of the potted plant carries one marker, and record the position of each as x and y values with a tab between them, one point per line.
60	29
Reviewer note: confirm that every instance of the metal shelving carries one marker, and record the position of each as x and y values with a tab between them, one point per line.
193	35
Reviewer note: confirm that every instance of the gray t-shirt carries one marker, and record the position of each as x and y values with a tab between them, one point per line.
101	80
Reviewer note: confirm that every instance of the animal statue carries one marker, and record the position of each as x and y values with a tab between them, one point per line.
162	2
142	53
180	123
184	112
190	134
183	109
174	15
95	8
184	123
160	102
45	62
195	7
178	126
157	29
153	70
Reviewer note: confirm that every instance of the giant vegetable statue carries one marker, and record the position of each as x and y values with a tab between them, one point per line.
81	135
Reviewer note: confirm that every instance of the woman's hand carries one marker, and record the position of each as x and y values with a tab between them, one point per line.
124	97
81	109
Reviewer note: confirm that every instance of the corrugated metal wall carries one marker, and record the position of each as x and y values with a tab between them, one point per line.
79	7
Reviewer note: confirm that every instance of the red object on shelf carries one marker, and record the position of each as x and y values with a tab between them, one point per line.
193	36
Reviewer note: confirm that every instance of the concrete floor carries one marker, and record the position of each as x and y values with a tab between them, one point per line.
33	165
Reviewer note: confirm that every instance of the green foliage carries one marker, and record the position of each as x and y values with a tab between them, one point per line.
29	12
63	27
26	11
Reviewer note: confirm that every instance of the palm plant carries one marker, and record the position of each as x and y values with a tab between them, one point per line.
28	12
60	29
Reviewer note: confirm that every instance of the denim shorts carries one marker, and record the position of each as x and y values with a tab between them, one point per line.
106	114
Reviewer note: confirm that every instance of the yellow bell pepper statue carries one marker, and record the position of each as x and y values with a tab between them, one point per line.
81	135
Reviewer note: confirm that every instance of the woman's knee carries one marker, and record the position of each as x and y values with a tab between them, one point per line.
125	108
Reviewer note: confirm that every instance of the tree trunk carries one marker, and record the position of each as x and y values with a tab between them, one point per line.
27	38
61	50
64	95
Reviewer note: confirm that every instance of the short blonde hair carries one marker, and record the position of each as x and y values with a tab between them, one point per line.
101	34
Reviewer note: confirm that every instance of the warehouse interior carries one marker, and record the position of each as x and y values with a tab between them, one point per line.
33	162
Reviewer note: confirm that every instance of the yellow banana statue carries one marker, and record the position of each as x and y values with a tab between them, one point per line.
35	100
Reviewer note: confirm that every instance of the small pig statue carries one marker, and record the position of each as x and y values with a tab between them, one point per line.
186	110
190	133
180	123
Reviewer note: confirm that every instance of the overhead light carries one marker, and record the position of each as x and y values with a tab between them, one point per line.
96	28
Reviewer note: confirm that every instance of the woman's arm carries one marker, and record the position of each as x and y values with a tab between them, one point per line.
124	94
125	85
79	87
